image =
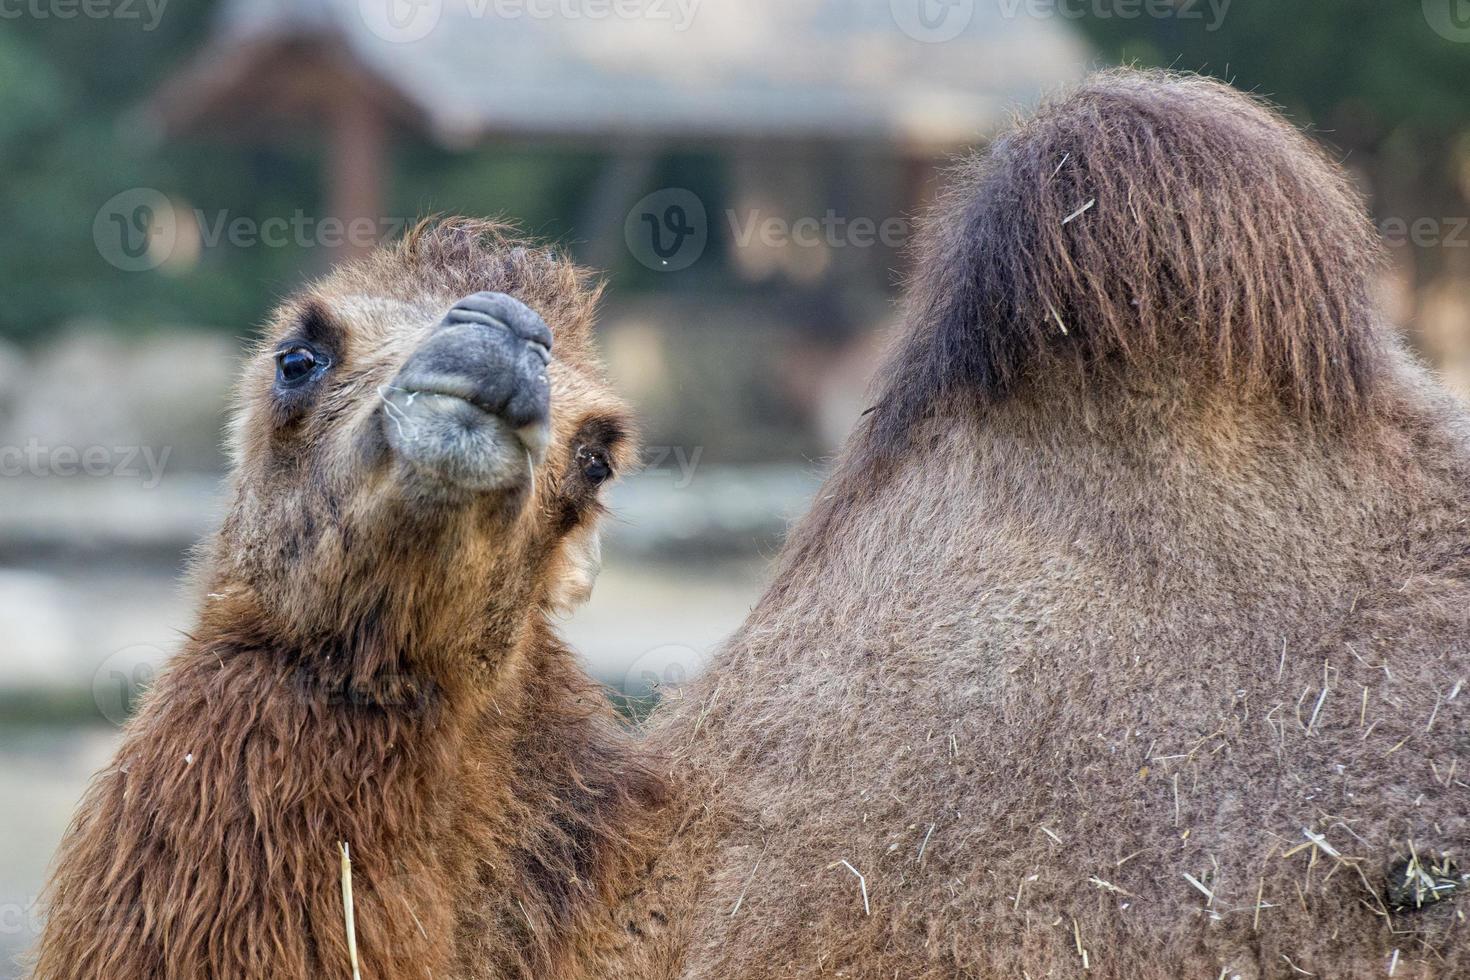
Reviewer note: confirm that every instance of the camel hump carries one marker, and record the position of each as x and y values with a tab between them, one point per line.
1146	221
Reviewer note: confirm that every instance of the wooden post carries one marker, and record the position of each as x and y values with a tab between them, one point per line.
357	163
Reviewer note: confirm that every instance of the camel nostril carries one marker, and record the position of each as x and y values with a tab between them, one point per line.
529	402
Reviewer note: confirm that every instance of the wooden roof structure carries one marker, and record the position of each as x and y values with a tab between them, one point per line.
617	71
465	69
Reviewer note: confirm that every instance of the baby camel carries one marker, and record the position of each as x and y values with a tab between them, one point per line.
418	461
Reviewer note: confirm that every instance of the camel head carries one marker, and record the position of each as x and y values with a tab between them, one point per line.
420	447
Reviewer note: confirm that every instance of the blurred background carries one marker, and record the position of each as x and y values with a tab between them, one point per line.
747	173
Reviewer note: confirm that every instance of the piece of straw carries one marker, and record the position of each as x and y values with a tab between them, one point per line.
1200	886
862	883
1079	212
347	908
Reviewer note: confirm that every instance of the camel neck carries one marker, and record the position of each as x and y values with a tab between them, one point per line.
226	810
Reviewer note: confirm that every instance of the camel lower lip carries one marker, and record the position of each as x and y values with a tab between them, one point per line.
414	393
453	441
534	436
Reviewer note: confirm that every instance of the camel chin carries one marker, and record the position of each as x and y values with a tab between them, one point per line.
457	444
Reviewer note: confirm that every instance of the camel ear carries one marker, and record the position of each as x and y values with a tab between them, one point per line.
576	572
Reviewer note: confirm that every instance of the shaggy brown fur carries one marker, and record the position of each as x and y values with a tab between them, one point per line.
372	664
1236	250
1131	636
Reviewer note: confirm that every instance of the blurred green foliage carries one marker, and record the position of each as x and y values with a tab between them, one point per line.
72	136
1383	84
65	148
1380	65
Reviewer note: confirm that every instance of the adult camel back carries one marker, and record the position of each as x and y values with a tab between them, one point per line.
1128	635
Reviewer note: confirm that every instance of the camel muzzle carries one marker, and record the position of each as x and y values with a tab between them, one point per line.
472	406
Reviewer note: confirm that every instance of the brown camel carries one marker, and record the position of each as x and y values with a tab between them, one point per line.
414	491
1130	637
1126	640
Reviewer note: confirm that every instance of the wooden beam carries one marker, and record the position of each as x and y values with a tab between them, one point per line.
356	172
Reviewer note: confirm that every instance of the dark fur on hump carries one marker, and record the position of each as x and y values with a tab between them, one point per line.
1146	221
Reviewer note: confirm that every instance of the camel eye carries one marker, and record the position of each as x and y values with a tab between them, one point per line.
294	365
594	465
